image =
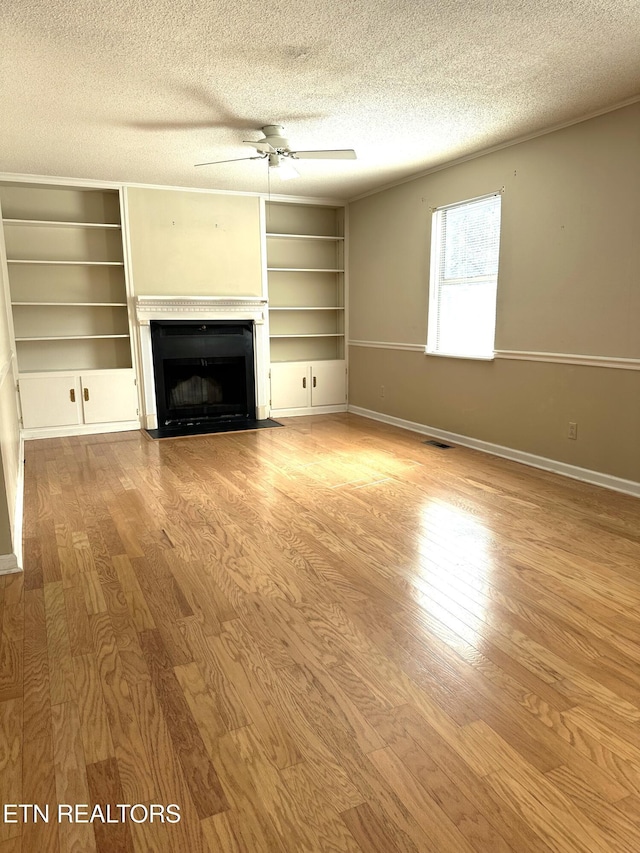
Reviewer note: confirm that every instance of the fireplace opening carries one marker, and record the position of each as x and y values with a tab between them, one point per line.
204	372
213	385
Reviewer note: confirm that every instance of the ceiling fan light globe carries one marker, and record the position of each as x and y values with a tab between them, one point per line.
282	167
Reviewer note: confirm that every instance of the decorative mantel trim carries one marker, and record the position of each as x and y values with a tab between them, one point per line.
179	308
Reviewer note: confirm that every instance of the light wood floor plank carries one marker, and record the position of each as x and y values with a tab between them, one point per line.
200	775
252	676
71	777
170	783
11	761
40	788
61	677
37	719
11	652
374	832
133	759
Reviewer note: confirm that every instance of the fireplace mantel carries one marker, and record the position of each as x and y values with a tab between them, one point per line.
254	308
195	307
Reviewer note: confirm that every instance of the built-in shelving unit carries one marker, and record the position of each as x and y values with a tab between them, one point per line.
68	294
305	269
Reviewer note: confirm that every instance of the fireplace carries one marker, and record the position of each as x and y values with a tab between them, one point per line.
214	381
204	372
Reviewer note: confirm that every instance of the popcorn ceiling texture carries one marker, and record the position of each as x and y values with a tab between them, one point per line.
141	91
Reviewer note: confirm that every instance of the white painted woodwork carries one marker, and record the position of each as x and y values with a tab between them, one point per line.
47	401
109	396
290	385
66	276
299	384
328	383
69	307
202	308
305	270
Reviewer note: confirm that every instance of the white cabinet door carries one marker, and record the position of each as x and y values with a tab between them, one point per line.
328	383
49	401
290	385
109	396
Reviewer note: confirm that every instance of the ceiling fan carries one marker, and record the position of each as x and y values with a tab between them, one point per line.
274	147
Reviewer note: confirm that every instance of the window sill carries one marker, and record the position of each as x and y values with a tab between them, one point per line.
465	357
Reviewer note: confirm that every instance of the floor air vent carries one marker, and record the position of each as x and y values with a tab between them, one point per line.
433	443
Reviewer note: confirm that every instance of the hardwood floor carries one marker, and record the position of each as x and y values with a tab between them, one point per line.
329	637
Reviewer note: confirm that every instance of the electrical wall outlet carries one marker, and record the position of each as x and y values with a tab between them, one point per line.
382	390
573	430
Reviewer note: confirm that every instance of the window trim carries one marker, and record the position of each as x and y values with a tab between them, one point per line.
434	263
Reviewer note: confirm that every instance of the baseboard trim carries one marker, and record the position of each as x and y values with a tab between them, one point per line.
9	564
81	429
315	410
585	475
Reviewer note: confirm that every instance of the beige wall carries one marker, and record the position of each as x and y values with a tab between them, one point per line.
194	244
569	282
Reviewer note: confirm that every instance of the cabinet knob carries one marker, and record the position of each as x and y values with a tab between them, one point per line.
86	394
72	394
304	381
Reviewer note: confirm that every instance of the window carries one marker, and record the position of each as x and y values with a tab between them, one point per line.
465	242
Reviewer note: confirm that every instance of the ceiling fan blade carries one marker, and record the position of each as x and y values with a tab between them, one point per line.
176	125
260	145
337	154
235	160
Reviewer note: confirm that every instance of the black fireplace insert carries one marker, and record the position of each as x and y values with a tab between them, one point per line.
204	372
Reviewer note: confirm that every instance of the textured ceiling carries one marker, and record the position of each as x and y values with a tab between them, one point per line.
140	91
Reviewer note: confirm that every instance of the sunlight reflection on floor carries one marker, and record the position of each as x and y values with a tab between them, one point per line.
454	553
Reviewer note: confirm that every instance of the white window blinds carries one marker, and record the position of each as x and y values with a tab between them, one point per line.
464	275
